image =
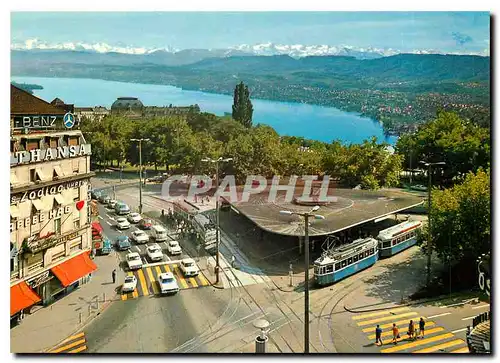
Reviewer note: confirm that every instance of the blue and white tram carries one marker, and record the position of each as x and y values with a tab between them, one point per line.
345	260
398	238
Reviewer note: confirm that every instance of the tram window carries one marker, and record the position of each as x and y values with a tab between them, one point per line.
361	255
394	242
372	251
344	263
367	253
337	266
386	244
355	258
329	269
349	261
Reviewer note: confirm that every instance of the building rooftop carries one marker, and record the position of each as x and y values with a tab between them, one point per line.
24	103
352	207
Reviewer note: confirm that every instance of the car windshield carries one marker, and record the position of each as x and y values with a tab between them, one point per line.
119	220
173	244
139	233
167	280
188	264
133	258
129	279
154	249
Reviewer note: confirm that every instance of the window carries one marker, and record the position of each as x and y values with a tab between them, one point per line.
367	253
33	176
59	255
76	224
76	166
53	143
344	263
75	247
73	141
329	269
386	244
355	258
349	261
57	226
32	145
372	251
337	266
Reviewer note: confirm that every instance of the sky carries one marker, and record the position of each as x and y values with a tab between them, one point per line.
463	32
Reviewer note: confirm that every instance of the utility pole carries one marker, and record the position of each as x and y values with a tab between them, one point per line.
140	171
217	239
306	216
429	242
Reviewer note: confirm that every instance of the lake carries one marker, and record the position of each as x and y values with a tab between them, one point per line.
294	119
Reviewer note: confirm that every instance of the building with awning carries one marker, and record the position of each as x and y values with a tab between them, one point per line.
49	210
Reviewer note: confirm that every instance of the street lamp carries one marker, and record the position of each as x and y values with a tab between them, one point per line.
429	250
216	162
140	171
306	216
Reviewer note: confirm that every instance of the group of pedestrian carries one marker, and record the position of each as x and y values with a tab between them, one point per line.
412	334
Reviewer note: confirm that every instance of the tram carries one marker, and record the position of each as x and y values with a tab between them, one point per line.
346	260
398	238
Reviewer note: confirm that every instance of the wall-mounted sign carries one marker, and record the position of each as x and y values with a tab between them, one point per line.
50	190
49	154
45	243
483	268
69	120
40	279
35	122
40	218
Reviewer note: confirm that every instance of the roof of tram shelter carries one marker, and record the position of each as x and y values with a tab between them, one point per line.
351	208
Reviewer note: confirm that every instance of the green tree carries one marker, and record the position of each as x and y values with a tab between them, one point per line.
242	106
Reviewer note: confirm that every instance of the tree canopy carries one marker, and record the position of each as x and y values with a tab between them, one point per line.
242	106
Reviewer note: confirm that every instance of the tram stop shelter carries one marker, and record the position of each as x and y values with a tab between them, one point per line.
349	208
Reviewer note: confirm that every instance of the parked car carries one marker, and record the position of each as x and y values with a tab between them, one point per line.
145	223
104	199
105	247
168	283
95	194
134	261
112	203
189	268
123	243
122	223
155	179
122	208
140	237
134	217
158	233
129	284
419	187
154	252
174	248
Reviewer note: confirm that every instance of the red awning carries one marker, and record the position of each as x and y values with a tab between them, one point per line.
97	226
74	269
21	297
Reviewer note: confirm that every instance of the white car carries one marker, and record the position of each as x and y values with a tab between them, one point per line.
122	223
130	284
112	203
140	236
189	268
168	283
134	261
174	248
154	252
134	217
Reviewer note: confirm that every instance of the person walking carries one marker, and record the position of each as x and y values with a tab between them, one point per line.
421	325
378	335
113	275
411	330
395	333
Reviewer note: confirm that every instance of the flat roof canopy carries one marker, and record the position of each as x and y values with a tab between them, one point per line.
352	207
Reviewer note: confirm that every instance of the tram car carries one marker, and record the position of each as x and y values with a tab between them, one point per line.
398	238
346	260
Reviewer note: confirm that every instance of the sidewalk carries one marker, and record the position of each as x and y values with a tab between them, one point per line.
48	326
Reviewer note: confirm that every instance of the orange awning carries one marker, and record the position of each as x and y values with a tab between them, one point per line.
21	297
74	269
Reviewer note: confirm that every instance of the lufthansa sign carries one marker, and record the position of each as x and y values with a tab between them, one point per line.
39	155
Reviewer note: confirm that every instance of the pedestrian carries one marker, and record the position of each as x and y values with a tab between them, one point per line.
411	330
113	275
233	260
395	334
378	335
421	325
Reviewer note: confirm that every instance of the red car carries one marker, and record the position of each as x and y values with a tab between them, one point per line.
145	223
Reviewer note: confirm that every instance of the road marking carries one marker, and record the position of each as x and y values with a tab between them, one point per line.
137	248
166	246
180	277
398	324
435	348
203	280
359	317
482	306
124	297
460	303
135	294
461	350
152	280
385	318
470	317
436	316
416	343
73	337
100	217
459	330
405	336
144	287
193	281
166	267
389	331
68	346
109	224
78	350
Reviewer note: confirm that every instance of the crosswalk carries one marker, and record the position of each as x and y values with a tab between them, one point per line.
147	280
74	344
436	340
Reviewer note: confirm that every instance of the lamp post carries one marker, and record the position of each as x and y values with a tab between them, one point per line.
429	249
306	216
140	171
216	162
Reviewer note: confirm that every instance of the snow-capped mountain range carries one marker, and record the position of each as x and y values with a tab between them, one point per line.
265	49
